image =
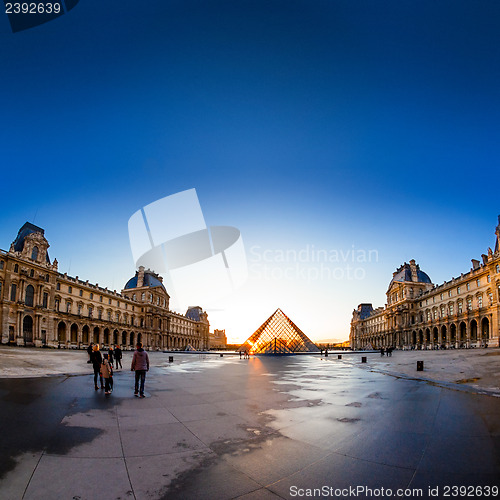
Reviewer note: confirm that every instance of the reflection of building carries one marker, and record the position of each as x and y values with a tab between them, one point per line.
278	335
40	306
218	339
462	312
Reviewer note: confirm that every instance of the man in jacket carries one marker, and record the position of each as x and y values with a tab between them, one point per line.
140	364
118	356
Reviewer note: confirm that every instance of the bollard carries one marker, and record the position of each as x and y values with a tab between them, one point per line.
170	359
420	366
326	354
363	359
339	356
222	355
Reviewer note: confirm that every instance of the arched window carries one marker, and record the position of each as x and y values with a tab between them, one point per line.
34	253
30	296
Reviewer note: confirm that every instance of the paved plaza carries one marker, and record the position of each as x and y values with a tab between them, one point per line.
268	427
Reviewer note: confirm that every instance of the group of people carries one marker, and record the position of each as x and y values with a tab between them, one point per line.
103	367
387	351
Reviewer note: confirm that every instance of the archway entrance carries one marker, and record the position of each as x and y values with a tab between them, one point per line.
85	334
28	329
485	330
473	330
61	332
74	333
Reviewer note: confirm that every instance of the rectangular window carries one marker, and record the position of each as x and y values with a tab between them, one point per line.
452	309
442	311
497	268
79	310
13	292
68	307
58	286
449	293
480	301
460	307
45	301
1	265
91	296
90	311
100	314
478	282
81	293
458	290
428	315
441	296
489	278
467	286
109	301
469	304
56	305
70	289
109	316
117	317
435	314
100	298
490	297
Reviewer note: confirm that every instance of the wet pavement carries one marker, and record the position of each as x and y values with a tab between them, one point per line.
227	428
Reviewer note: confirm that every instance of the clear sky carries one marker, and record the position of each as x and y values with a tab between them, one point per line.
318	126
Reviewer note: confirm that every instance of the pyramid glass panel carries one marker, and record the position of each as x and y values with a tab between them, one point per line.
278	335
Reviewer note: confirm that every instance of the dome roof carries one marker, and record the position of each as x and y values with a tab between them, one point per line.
404	273
194	313
150	280
27	229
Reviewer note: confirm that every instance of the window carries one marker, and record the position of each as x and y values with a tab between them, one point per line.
469	304
45	300
460	307
117	317
1	265
488	278
99	314
497	268
458	289
56	305
441	296
100	298
434	299
143	296
490	296
442	311
480	301
478	282
449	293
58	286
79	309
126	305
91	296
16	268
47	278
426	302
68	307
90	311
467	286
109	301
452	309
34	253
32	273
13	292
134	297
435	314
428	315
70	289
117	304
81	293
109	315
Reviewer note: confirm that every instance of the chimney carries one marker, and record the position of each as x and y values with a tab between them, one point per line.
140	277
413	268
475	264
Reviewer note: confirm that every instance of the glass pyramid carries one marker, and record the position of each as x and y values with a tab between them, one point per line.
278	335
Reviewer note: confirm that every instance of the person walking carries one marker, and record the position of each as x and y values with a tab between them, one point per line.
107	374
118	356
89	352
110	355
140	364
96	359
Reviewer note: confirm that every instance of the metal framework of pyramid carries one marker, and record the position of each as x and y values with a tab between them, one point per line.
278	335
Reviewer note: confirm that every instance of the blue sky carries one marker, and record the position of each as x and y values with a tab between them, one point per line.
322	124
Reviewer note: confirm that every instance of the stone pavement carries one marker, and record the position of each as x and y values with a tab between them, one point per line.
222	428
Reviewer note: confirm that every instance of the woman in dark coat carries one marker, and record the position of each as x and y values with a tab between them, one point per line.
96	359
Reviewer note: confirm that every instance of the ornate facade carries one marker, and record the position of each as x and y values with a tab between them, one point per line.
42	307
462	312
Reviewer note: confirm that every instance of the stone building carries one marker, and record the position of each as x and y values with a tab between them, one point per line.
462	312
218	339
42	307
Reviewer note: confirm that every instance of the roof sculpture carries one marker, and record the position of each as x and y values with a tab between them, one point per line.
278	335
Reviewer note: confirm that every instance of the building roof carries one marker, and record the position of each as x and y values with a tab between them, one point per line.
194	313
27	229
150	280
404	274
